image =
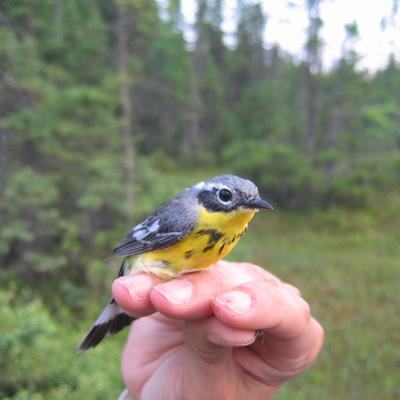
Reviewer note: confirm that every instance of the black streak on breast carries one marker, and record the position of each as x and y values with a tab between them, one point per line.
189	253
231	240
214	237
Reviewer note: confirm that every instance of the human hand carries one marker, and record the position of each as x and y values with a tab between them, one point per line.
232	332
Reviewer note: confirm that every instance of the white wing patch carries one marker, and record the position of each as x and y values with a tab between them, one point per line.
140	234
155	226
141	231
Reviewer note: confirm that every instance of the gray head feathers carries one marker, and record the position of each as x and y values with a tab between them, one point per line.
232	182
227	193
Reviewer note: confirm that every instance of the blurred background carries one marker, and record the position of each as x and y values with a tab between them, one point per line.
108	108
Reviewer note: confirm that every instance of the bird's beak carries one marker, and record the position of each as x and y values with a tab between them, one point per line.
258	203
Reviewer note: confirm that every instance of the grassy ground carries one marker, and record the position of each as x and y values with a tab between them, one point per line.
347	265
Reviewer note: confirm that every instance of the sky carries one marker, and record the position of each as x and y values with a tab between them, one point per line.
287	26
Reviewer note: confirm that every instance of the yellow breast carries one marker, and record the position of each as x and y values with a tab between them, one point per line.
213	237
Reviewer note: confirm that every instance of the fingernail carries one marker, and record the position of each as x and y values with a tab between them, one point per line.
236	301
219	341
177	291
137	285
251	341
248	342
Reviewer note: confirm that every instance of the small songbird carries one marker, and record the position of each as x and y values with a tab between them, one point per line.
191	232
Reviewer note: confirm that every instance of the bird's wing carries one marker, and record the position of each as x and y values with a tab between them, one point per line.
166	226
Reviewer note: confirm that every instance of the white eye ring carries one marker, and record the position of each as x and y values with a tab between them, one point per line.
225	195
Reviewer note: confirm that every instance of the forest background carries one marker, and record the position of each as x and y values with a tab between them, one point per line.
106	111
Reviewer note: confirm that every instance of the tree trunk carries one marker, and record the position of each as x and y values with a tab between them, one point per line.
58	20
311	133
3	162
313	69
126	108
191	140
192	136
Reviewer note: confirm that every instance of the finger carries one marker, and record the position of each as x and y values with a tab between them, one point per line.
290	288
209	335
208	345
189	296
291	339
274	360
132	293
259	305
300	351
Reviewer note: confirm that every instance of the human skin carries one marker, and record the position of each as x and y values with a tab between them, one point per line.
233	332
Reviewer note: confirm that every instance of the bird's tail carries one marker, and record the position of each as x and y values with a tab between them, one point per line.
111	320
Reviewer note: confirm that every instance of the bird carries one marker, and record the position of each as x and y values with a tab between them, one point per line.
190	232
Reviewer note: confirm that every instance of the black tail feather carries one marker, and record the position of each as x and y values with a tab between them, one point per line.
102	327
111	320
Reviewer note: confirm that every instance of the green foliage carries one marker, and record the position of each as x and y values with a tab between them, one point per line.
38	359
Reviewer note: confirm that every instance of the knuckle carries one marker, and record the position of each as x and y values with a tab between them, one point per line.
305	309
291	288
218	276
228	275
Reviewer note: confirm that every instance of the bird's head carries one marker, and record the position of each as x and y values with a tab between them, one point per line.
227	193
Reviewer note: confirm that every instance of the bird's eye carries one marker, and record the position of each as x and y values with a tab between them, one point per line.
225	195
